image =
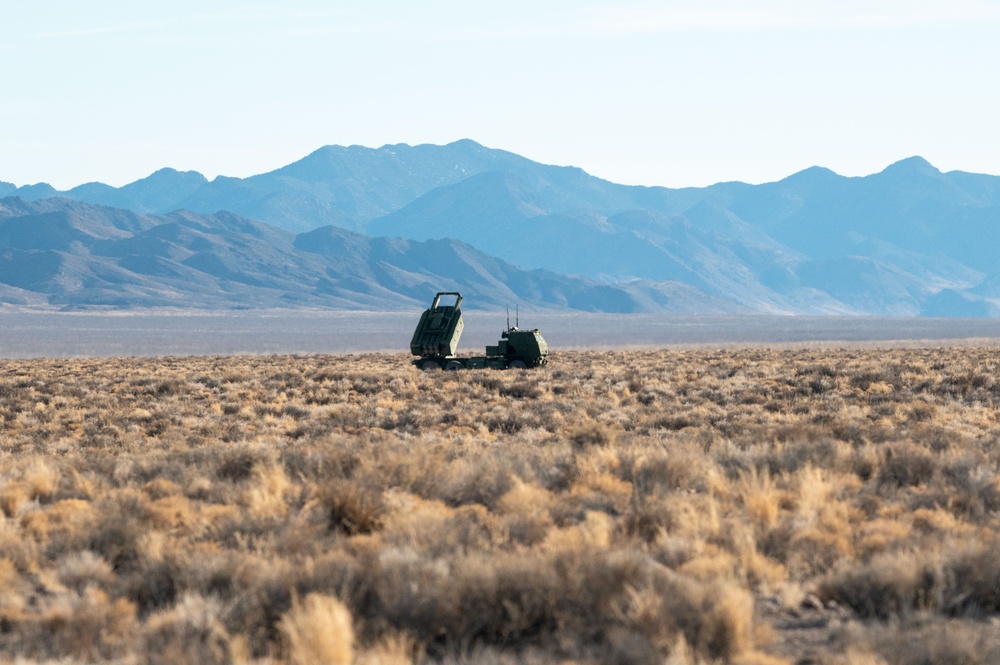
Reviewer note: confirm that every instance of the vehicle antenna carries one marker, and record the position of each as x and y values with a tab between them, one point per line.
517	316
508	317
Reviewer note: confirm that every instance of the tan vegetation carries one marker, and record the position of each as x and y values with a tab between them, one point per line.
739	506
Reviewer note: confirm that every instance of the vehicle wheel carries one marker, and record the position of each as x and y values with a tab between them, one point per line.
430	366
453	365
517	364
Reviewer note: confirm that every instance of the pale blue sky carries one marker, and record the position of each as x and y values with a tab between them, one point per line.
670	93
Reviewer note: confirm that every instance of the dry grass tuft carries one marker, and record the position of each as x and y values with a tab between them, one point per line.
318	631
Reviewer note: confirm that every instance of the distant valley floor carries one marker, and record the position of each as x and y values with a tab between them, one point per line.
29	334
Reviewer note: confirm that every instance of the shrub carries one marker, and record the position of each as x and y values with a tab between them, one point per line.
889	586
352	508
188	633
117	536
905	464
917	641
592	434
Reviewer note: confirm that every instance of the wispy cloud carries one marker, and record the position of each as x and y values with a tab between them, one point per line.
649	18
632	17
246	20
137	26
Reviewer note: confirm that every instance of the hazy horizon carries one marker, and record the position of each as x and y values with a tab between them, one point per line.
30	334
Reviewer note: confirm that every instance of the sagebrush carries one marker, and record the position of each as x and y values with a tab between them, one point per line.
736	506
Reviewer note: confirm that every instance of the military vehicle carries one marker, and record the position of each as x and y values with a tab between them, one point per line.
436	339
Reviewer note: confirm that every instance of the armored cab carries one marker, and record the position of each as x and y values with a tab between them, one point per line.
439	330
520	348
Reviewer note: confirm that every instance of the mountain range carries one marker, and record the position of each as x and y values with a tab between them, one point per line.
74	255
386	227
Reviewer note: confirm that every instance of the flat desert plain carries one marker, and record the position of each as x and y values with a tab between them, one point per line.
42	334
684	505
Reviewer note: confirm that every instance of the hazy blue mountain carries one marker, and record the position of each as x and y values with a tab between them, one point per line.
950	302
41	190
814	242
865	284
163	191
711	249
910	205
73	254
394	263
350	186
988	288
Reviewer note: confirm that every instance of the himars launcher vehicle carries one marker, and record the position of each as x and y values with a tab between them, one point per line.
436	338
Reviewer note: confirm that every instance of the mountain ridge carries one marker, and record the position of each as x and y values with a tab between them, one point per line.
814	242
72	255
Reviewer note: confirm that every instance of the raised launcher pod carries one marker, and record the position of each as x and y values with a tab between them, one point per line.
439	329
436	339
